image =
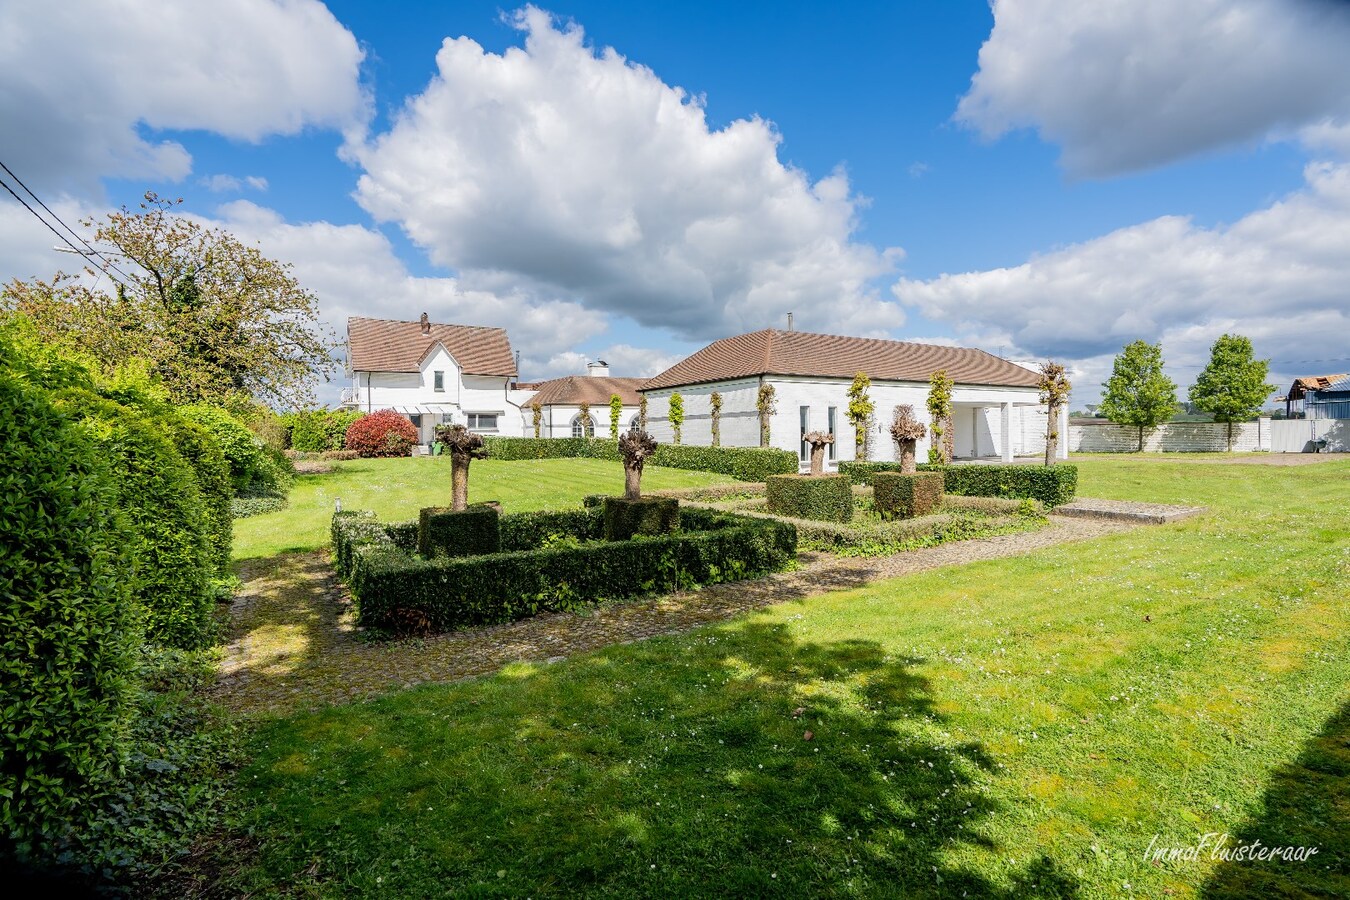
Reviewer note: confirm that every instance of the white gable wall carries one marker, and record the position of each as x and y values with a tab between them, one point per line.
462	394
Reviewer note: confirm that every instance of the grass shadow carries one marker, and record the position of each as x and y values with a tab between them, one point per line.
1306	805
640	772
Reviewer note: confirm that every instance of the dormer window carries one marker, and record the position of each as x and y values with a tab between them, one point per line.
438	381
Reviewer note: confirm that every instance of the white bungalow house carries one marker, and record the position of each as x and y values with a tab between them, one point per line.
435	374
560	400
997	411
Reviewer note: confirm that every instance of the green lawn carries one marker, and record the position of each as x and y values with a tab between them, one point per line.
1015	728
395	489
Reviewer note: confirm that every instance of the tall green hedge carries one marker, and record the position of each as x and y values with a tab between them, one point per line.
1052	485
463	532
744	463
317	430
394	587
625	518
828	498
255	469
66	634
200	450
156	491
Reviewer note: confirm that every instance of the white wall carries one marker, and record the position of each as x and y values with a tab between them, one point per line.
462	393
557	420
1175	437
740	421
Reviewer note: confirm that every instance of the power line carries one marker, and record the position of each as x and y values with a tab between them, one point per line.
90	251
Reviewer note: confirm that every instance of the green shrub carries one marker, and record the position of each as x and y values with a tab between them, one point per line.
247	507
531	530
825	497
157	494
466	532
319	430
1051	485
65	623
255	469
393	587
744	463
647	516
200	450
899	496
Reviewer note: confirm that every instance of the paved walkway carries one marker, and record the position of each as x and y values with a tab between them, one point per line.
295	645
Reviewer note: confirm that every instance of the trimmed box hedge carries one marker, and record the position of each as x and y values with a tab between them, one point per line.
394	587
465	532
744	463
1051	485
901	496
826	498
646	515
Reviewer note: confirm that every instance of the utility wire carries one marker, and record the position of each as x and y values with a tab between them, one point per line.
90	251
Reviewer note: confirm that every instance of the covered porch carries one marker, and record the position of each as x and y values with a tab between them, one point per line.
1003	430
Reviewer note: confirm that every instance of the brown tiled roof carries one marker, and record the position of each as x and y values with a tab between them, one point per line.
773	352
593	389
388	345
1312	383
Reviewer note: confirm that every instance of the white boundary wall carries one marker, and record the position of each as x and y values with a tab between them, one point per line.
1298	435
1173	437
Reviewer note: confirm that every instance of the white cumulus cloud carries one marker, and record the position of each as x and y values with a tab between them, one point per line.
564	171
1278	275
84	79
1122	85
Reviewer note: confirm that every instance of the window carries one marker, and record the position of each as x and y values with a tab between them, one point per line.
576	428
416	419
806	426
636	424
830	415
439	381
482	421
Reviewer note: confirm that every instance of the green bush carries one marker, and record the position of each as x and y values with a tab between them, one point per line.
319	430
1051	485
256	470
157	494
647	516
394	587
200	450
466	532
744	463
899	496
531	530
65	623
825	497
247	507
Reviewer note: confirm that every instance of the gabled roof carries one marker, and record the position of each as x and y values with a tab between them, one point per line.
593	389
1313	383
773	352
389	345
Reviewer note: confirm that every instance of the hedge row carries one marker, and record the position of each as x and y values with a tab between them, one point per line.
395	589
900	496
318	430
826	498
743	463
1051	485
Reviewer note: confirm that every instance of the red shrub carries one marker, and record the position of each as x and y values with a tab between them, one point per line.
383	433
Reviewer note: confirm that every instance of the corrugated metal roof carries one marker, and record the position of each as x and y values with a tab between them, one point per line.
773	352
391	345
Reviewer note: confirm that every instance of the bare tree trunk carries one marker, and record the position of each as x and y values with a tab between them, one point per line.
817	459
1052	436
459	480
632	482
907	466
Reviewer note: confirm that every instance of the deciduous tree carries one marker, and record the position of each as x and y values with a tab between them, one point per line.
940	417
1139	393
1232	388
1055	387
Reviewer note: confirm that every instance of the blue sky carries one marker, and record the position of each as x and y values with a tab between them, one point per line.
1137	171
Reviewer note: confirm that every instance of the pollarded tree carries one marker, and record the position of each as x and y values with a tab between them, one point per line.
940	416
1055	387
1232	388
715	417
464	447
615	413
766	405
818	440
676	415
860	409
907	431
635	447
1139	393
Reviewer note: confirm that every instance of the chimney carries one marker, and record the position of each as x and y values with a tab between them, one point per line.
426	324
598	369
789	321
